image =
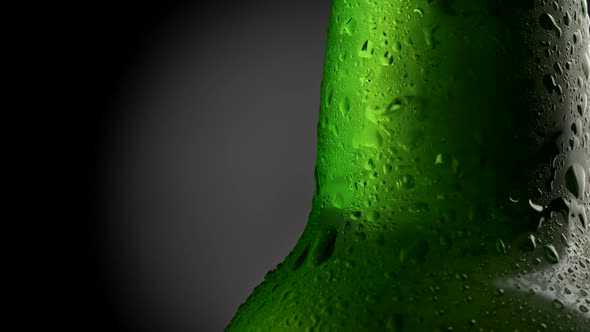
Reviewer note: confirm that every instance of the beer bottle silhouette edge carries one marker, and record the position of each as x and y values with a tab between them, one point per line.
452	181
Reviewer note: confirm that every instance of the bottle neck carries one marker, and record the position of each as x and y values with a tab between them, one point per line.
432	106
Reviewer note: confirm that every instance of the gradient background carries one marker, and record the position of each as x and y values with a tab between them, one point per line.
199	129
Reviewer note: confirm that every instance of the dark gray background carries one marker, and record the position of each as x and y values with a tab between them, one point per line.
205	155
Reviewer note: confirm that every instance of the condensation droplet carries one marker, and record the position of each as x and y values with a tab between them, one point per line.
325	245
551	254
564	240
359	236
574	128
532	241
557	68
586	65
535	207
348	27
387	59
575	180
500	247
540	224
345	106
577	36
548	23
438	159
549	83
408	181
567	18
366	50
372	216
558	304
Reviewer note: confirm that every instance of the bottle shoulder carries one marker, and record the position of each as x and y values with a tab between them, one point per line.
351	278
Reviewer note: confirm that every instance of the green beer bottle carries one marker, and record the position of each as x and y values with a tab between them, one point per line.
452	183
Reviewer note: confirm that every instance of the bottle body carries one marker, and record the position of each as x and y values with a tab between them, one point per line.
451	185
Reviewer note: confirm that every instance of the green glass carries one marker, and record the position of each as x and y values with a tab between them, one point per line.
452	180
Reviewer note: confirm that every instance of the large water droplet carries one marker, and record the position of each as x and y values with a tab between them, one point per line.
558	304
345	106
564	240
500	247
575	180
438	160
348	27
548	23
540	224
366	50
584	104
574	128
532	242
394	105
368	137
359	236
372	216
583	218
535	207
299	261
428	35
325	245
586	65
577	36
408	181
387	59
551	254
337	200
549	82
567	18
557	68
